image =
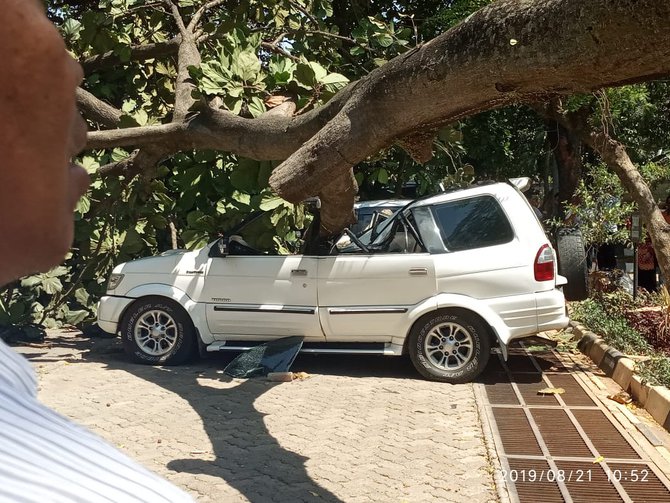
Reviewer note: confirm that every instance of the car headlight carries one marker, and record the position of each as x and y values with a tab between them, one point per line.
114	281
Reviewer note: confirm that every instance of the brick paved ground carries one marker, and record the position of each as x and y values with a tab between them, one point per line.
360	429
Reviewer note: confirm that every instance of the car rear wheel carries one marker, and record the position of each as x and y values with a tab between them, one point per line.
572	263
157	331
449	346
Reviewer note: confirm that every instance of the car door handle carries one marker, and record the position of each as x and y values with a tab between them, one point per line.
298	272
418	271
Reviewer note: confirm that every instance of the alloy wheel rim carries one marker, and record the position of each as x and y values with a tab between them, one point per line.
156	333
449	346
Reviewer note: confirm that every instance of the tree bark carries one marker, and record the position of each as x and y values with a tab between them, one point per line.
567	151
510	52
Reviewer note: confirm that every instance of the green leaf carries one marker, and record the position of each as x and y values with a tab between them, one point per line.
194	239
271	202
384	39
157	221
256	106
334	78
83	205
128	106
245	176
71	29
246	65
58	271
164	69
132	243
141	117
90	164
82	296
31	281
305	75
76	317
319	71
52	285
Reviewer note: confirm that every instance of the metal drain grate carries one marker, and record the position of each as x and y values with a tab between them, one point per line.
559	434
605	437
500	390
523	473
562	447
641	481
574	393
515	432
587	482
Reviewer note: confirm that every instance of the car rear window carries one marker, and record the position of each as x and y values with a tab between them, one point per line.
472	223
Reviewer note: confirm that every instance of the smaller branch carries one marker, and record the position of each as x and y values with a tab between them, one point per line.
195	20
137	53
116	168
279	50
331	35
137	135
177	17
279	38
304	11
97	110
142	162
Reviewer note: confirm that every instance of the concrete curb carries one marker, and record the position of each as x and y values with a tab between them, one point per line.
655	399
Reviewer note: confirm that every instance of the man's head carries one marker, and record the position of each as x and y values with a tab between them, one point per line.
40	132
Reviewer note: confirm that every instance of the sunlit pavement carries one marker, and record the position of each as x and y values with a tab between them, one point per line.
358	429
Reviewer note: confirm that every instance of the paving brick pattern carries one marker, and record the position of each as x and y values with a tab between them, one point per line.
359	429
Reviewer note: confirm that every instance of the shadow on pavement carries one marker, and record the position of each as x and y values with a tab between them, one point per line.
246	456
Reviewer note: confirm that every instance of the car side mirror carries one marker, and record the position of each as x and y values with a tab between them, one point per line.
220	248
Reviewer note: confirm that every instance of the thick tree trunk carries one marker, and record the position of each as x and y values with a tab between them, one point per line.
615	156
567	151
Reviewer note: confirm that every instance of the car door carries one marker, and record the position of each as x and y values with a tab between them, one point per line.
262	297
365	297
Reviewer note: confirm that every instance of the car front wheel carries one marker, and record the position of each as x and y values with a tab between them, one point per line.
157	331
449	346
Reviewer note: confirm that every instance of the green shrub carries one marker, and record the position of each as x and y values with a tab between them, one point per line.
606	316
611	326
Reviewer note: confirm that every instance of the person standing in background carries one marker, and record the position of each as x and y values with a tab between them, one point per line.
646	266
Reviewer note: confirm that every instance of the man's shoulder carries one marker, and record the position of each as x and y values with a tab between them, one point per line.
16	372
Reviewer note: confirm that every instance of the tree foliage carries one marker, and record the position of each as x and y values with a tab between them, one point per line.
194	105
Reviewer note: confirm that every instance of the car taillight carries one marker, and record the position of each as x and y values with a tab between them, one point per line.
544	264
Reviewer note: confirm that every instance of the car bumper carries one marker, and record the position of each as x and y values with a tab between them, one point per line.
110	310
551	311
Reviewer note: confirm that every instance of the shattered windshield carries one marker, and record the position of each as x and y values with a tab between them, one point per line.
376	235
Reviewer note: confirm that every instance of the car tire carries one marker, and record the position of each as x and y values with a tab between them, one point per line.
157	331
572	264
451	346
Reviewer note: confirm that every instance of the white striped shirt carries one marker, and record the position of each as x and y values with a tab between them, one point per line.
45	457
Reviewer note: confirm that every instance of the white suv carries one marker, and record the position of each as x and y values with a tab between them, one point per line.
444	279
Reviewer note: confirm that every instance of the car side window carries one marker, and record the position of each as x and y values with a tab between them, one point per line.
402	239
470	223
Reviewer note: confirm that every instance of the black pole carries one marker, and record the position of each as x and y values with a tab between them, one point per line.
635	271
